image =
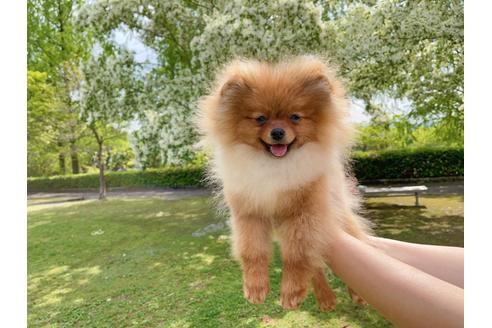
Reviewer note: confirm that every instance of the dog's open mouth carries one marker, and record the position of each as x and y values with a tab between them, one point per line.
277	150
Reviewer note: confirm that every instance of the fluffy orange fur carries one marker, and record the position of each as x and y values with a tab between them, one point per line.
300	193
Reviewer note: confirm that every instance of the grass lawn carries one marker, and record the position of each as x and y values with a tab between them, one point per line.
157	263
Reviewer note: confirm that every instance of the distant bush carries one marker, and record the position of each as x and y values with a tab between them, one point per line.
401	164
412	163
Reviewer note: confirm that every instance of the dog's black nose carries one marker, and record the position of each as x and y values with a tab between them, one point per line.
277	134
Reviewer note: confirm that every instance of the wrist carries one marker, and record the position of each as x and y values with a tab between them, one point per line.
334	246
381	244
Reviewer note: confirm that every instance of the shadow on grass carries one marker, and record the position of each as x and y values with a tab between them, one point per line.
414	224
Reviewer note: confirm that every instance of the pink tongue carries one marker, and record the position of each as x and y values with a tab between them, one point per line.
278	150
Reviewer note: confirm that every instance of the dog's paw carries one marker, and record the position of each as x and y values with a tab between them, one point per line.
326	300
291	298
256	293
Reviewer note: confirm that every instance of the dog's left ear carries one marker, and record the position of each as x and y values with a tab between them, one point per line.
318	86
318	83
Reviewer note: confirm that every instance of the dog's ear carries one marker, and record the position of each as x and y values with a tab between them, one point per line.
317	84
234	88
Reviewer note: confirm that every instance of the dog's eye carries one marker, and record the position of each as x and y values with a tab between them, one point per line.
261	119
295	118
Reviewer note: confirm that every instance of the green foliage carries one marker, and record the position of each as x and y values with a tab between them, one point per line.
43	111
398	133
55	48
52	38
117	152
411	163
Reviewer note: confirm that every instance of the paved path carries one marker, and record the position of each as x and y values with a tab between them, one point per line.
168	194
435	188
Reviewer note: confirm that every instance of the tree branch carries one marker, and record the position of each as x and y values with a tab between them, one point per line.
94	131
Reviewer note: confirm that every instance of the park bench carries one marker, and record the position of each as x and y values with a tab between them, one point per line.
394	191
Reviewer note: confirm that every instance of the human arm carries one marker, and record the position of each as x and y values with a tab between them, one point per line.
443	262
405	295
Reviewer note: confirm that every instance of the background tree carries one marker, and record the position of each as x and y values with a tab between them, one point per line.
172	83
56	47
109	100
406	49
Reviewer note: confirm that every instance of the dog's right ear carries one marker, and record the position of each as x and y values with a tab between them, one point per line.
234	88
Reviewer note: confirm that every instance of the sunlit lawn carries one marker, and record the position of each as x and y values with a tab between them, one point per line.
150	263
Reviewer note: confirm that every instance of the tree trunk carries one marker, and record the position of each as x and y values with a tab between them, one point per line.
75	158
61	163
102	178
108	158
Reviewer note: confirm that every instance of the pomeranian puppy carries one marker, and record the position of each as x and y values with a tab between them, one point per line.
279	136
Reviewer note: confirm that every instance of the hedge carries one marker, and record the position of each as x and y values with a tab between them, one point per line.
410	164
163	177
402	164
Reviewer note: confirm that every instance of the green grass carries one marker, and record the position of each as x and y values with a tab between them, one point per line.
439	221
135	262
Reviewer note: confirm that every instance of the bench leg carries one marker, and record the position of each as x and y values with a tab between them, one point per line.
417	199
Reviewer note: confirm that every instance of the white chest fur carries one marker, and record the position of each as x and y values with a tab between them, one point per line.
260	178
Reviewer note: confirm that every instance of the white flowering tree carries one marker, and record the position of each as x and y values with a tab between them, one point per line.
403	49
165	134
406	49
240	28
259	29
109	100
